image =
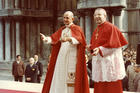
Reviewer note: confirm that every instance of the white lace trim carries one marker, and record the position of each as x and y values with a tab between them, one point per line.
110	67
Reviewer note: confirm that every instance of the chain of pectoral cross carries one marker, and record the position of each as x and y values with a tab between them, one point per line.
96	35
66	33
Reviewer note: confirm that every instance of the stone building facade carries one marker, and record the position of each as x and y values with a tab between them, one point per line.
133	10
21	21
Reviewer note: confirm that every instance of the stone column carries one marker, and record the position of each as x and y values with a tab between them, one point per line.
1	4
7	41
11	4
113	19
82	25
25	4
37	4
29	4
124	21
117	17
22	4
33	4
17	38
88	25
17	3
121	21
13	40
117	21
38	38
27	39
1	41
7	6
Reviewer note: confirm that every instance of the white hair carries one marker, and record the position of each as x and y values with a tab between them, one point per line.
32	59
70	13
101	9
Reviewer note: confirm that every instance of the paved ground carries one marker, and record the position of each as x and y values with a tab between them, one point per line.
30	87
20	86
6	81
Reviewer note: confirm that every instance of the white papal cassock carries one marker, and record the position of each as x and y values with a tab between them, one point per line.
65	67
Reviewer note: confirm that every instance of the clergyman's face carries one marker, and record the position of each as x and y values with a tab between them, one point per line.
99	16
67	19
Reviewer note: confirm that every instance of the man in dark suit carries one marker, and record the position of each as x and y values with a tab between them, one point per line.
40	68
18	69
31	72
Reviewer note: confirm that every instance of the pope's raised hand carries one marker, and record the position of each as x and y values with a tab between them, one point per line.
43	37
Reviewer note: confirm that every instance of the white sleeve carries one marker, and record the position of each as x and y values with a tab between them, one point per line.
48	39
107	51
74	41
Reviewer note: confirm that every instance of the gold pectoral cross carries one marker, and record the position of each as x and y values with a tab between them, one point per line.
96	36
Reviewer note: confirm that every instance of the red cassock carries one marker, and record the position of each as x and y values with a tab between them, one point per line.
81	80
109	36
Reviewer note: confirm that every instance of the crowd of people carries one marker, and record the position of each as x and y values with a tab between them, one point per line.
32	72
132	80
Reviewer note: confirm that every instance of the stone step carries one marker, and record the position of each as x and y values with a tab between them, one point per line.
5	65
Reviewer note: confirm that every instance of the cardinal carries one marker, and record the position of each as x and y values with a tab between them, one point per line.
106	49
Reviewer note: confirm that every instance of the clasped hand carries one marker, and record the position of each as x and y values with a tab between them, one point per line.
66	39
95	52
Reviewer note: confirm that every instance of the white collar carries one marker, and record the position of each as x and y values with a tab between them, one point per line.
31	65
69	25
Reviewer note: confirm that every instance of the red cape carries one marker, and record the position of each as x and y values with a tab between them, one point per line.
81	80
109	36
